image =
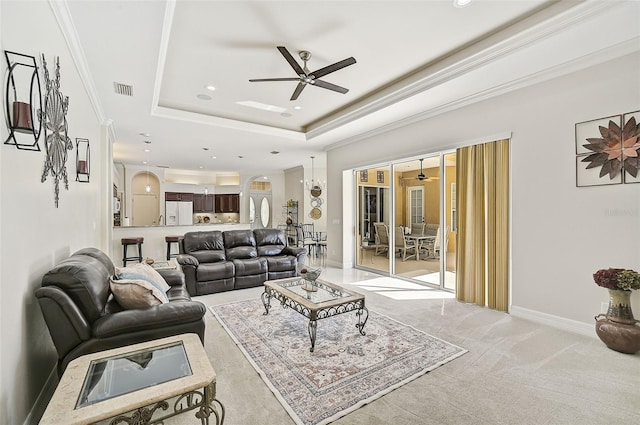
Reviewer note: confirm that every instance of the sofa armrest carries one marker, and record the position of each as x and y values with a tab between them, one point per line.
67	325
187	260
156	317
293	250
172	277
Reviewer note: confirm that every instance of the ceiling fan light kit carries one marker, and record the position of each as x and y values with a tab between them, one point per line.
305	77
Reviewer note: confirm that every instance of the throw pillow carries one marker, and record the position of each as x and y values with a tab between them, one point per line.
136	293
142	271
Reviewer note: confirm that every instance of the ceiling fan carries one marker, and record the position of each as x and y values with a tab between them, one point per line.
305	76
422	176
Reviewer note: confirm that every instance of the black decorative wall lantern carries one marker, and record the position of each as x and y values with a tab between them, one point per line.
83	160
23	101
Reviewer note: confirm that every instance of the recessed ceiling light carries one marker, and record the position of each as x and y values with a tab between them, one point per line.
145	134
210	87
205	149
461	3
144	162
147	150
214	157
203	97
297	108
240	156
148	142
201	166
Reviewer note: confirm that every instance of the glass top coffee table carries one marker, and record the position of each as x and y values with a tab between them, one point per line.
322	300
137	384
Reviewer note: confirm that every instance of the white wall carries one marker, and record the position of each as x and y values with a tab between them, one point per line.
34	234
561	234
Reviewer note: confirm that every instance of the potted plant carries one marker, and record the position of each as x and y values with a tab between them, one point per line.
618	329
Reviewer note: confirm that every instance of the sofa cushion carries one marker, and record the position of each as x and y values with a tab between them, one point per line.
142	271
85	280
203	241
212	256
240	244
250	266
270	241
281	263
137	293
214	271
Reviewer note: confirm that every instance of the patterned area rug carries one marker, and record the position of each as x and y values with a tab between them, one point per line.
346	370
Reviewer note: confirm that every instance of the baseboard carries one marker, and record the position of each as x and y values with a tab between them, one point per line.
554	321
38	408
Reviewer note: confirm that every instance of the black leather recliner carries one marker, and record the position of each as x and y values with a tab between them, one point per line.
215	261
83	317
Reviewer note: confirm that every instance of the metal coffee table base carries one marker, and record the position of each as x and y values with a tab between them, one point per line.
204	401
314	314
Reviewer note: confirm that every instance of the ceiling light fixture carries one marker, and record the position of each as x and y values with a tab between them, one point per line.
147	187
214	157
210	87
461	3
314	185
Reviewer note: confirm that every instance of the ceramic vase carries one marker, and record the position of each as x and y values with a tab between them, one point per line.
618	329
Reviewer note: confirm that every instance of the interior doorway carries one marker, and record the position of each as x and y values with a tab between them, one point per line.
145	207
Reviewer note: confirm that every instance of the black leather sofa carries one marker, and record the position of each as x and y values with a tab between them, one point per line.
216	261
83	316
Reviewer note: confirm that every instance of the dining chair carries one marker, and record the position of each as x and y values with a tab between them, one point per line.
382	238
403	245
304	241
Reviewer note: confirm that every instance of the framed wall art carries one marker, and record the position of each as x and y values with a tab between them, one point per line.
380	177
608	150
364	176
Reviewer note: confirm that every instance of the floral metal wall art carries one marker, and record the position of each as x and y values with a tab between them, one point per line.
57	141
611	154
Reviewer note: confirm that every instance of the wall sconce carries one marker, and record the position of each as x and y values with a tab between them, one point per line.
23	103
83	160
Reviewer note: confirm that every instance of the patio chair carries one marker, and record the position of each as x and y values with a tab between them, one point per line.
403	245
382	238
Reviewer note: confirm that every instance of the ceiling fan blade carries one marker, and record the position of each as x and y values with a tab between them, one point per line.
332	68
296	67
256	80
298	90
329	86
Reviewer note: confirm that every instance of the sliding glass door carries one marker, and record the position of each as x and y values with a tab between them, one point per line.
406	219
373	200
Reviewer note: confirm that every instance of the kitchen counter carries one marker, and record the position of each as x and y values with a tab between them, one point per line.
154	245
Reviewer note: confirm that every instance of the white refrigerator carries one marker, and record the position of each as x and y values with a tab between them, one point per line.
178	213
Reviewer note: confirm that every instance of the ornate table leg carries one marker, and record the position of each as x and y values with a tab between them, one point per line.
313	325
266	300
361	322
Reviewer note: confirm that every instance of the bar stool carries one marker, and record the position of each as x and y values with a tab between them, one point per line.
170	240
125	244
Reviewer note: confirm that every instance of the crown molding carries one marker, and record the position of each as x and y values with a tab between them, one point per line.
62	14
467	61
592	59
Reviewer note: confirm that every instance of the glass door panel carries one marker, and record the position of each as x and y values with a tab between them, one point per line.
451	219
372	209
417	217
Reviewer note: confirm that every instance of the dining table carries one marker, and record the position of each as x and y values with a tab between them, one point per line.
418	240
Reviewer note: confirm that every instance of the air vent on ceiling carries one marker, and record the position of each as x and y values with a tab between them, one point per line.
123	89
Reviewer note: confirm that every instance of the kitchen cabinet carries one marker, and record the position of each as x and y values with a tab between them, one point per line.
178	196
203	203
227	203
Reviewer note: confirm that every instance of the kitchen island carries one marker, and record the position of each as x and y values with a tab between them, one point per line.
154	245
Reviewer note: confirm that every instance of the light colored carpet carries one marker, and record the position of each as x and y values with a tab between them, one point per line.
346	371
